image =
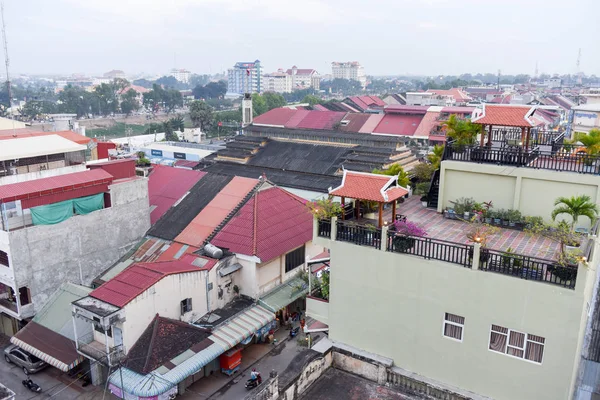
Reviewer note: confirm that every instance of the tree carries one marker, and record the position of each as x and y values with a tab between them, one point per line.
178	123
311	100
259	105
212	90
172	99
129	102
274	100
435	158
143	83
575	207
170	136
201	115
395	169
423	172
343	86
74	100
154	98
591	141
461	130
36	108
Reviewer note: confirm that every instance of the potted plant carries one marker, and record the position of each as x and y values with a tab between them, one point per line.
324	208
514	217
504	217
497	217
530	222
424	200
406	231
488	215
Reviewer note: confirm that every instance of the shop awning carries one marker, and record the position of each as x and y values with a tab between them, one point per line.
230	269
54	348
242	326
284	294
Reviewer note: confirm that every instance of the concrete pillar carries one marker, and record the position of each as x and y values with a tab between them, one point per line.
517	197
96	373
384	233
333	228
315	228
75	332
583	274
476	256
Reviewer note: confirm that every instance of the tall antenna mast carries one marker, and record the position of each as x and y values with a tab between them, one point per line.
6	61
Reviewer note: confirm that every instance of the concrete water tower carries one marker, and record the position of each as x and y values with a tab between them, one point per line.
246	109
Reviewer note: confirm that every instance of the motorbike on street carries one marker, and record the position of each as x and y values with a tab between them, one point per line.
252	383
34	387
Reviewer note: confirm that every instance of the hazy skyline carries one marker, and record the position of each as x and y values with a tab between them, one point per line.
388	37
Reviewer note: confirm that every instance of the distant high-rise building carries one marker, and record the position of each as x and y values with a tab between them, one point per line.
245	77
182	75
349	70
115	73
291	79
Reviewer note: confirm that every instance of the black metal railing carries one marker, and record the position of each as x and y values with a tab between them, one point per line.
428	248
536	137
434	189
529	268
324	228
358	234
518	156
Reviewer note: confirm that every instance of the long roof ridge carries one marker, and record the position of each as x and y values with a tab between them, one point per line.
156	323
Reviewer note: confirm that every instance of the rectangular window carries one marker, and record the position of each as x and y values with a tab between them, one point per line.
294	259
98	328
186	305
454	326
517	344
3	258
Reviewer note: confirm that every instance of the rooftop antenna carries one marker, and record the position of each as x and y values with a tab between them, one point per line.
498	79
579	74
536	70
6	64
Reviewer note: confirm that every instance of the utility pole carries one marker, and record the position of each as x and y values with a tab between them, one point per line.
7	63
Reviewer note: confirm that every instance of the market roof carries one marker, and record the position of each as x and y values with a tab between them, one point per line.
163	340
27	147
29	132
505	115
138	278
55	184
371	187
216	211
270	224
166	185
398	124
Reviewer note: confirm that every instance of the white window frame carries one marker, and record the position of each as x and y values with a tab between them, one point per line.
462	332
525	344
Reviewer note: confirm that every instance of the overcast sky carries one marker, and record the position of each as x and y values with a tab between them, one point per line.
424	37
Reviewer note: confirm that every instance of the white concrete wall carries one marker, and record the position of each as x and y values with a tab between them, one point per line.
531	191
318	309
79	249
164	298
393	305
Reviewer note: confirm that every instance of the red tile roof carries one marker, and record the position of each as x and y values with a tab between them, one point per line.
138	278
398	124
276	116
215	212
321	120
505	115
269	225
365	102
166	185
371	187
39	188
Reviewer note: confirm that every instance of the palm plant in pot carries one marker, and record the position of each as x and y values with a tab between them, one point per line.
575	207
406	231
462	131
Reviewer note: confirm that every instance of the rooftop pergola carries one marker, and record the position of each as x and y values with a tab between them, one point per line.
507	116
362	186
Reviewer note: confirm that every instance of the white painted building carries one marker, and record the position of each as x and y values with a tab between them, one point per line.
182	75
278	82
586	117
349	70
245	77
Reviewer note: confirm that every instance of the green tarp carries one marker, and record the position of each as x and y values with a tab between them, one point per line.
58	212
52	213
86	205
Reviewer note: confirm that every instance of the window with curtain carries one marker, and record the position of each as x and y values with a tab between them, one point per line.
454	326
294	259
517	344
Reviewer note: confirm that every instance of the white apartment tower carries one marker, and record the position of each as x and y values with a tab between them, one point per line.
349	70
245	77
182	75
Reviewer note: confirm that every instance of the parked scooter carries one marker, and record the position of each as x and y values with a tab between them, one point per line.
34	387
294	331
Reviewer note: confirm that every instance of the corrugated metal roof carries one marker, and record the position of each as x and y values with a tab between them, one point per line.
398	124
54	184
355	122
200	228
284	294
28	132
136	279
428	122
321	120
270	224
37	146
241	326
275	117
56	311
166	185
296	118
371	123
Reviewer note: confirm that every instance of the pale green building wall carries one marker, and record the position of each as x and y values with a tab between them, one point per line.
393	305
531	191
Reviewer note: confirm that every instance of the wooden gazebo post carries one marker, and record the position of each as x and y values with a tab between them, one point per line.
394	211
343	208
380	214
489	143
481	141
527	140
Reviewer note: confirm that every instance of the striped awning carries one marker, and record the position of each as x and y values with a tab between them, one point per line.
55	349
242	326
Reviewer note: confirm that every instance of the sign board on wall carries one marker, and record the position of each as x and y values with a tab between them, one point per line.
179	156
156	153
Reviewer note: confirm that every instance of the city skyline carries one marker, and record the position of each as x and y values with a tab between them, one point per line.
429	37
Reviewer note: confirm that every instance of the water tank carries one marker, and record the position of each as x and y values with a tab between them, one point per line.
213	251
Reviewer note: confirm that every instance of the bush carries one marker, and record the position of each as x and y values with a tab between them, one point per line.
422	188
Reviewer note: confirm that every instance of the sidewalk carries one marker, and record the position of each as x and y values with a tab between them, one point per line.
262	357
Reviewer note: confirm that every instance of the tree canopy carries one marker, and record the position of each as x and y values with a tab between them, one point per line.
212	90
395	169
201	115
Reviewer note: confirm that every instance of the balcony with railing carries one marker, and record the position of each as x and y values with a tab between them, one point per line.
512	253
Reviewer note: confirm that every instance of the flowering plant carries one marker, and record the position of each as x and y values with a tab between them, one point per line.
407	228
324	208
